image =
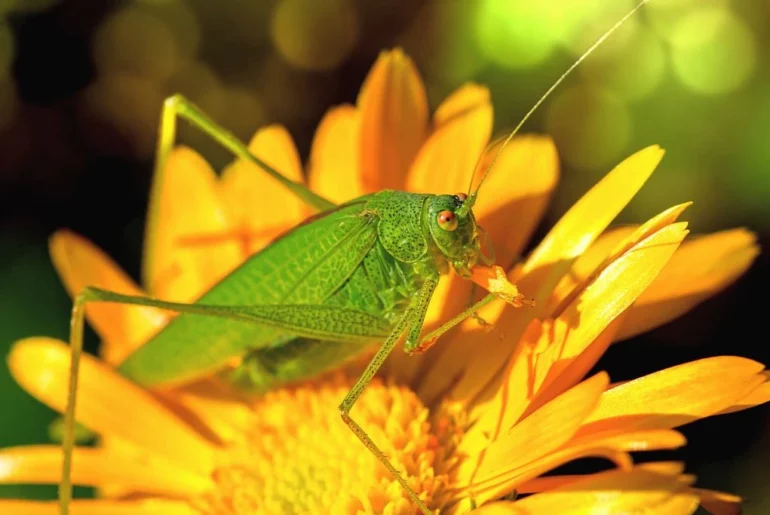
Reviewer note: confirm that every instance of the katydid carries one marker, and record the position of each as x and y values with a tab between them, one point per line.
350	280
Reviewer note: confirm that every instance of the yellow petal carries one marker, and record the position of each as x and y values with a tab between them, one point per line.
537	435
40	464
394	115
447	160
608	295
222	411
99	507
334	156
586	318
613	447
258	206
588	218
699	269
667	217
633	491
676	395
179	264
588	262
548	263
106	401
122	328
509	208
516	192
562	373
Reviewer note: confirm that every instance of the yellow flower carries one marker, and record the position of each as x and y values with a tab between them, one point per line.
486	412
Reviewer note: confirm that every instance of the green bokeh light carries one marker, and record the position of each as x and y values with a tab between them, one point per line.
713	52
515	34
590	127
631	70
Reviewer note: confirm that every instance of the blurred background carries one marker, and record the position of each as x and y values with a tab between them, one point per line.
82	82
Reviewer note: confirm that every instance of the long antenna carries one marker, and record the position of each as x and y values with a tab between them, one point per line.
472	197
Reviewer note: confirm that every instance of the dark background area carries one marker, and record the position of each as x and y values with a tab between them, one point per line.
81	85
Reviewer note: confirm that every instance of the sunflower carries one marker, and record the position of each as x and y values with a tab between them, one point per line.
477	421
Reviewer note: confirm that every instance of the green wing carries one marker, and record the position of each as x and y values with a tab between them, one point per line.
305	266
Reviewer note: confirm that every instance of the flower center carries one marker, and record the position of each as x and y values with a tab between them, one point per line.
299	456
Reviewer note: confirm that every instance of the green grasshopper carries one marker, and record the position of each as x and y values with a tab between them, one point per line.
328	291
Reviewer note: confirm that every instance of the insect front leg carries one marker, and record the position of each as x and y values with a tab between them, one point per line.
426	342
412	319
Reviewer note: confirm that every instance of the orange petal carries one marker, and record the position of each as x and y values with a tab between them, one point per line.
106	400
670	468
516	192
255	202
633	491
447	160
757	396
122	328
719	503
699	269
537	435
394	116
676	395
185	206
334	157
588	218
99	507
542	484
40	464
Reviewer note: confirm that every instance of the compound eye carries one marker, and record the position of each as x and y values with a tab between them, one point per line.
447	220
462	197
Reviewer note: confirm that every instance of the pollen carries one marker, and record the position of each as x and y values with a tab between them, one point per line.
299	457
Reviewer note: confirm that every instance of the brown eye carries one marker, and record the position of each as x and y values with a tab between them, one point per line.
462	197
447	220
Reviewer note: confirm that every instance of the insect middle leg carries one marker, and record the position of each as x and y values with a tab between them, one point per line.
412	319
